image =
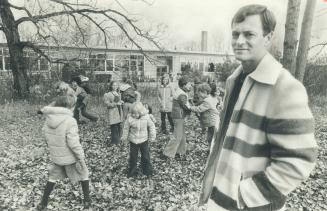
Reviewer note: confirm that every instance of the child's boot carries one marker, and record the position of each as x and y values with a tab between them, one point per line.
86	192
47	191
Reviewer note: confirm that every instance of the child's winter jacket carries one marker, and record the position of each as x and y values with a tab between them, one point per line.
139	130
61	133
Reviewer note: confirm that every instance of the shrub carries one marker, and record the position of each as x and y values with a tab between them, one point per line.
315	79
223	70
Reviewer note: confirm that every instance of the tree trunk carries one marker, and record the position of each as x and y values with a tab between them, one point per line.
301	60
290	38
21	81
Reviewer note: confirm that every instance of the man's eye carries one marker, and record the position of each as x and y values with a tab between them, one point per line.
249	35
235	35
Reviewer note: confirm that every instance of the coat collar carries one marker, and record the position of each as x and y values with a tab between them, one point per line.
266	72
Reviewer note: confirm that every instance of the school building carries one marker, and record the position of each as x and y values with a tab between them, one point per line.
149	64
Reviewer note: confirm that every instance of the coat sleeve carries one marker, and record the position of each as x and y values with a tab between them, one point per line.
73	140
293	149
125	129
151	129
109	100
182	100
159	95
204	106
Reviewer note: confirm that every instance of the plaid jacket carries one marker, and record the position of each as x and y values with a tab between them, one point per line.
269	147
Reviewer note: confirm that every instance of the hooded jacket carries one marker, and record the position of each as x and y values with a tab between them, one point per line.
61	133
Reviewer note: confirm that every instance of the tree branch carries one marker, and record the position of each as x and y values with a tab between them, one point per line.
320	44
35	48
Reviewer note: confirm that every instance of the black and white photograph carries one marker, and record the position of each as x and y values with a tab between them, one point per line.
163	105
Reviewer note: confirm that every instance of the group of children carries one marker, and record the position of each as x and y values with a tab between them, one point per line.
130	120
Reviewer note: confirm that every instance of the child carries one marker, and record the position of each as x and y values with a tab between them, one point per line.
113	101
165	98
207	109
62	89
139	130
66	153
180	110
82	98
149	109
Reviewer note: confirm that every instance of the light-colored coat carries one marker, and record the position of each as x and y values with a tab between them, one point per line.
61	133
208	111
166	98
139	130
115	112
269	147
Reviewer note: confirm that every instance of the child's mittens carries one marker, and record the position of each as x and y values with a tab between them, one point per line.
81	166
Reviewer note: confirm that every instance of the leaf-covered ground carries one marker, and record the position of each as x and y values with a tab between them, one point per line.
175	185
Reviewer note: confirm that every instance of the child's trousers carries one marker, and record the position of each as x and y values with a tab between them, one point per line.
177	144
145	158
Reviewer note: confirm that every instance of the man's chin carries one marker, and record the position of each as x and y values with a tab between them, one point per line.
241	57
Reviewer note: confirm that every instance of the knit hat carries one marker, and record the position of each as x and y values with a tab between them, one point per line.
83	78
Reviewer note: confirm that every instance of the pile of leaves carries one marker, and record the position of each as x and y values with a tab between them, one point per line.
174	186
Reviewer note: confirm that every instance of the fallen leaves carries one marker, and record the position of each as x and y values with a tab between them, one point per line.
174	186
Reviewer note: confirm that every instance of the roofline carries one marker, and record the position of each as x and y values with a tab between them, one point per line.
131	50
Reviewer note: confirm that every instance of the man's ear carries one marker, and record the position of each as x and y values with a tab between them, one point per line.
268	38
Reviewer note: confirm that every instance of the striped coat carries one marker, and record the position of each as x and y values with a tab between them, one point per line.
269	147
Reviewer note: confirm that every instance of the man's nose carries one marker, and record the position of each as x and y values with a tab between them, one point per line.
241	39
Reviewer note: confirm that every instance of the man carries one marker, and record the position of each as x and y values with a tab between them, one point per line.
265	146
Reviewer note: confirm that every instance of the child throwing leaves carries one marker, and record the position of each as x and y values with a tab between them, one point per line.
139	130
208	109
66	152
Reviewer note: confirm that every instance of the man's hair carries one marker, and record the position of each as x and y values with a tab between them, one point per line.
268	19
65	101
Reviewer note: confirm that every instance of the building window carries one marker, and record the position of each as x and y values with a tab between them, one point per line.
7	59
44	65
122	63
201	67
110	65
211	67
97	62
1	59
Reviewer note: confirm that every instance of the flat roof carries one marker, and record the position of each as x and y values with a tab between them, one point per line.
101	48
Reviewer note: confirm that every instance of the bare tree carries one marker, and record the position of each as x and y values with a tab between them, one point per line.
57	17
291	33
301	60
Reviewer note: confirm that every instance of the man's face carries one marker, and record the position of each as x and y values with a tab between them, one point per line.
248	40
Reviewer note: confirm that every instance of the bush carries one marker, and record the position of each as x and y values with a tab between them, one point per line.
223	70
315	79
